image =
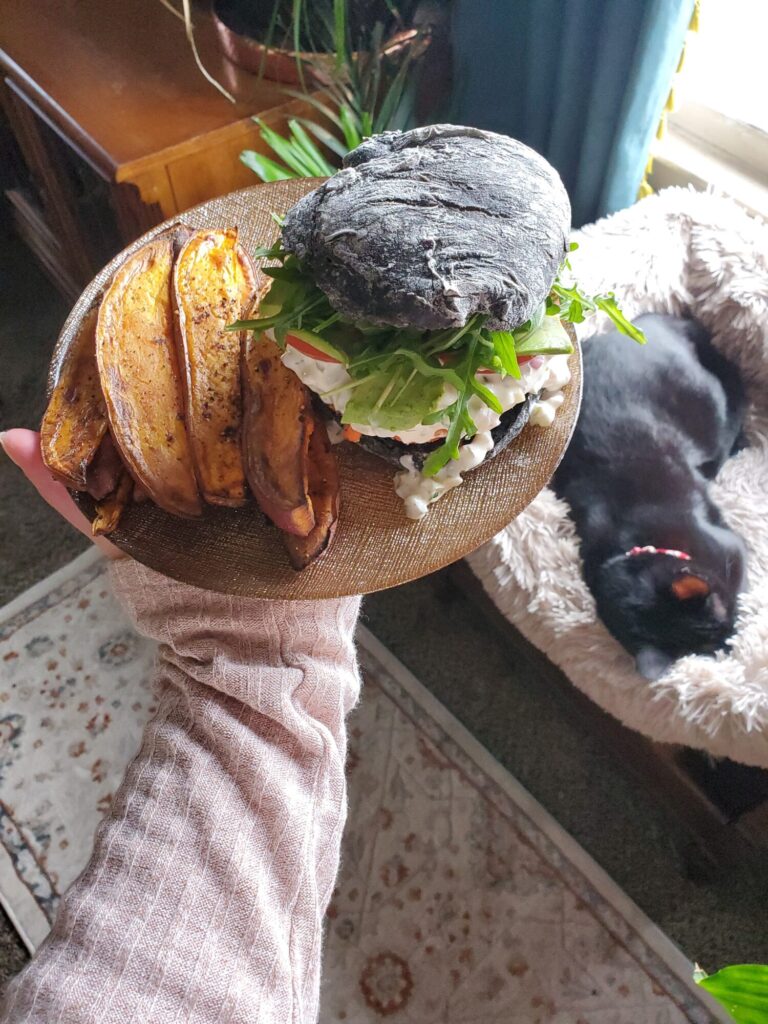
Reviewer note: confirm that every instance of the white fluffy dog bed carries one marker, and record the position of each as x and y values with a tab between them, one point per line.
681	252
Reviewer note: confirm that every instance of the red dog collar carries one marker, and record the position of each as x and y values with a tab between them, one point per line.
649	549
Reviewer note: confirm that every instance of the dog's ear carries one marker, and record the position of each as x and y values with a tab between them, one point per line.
687	585
652	663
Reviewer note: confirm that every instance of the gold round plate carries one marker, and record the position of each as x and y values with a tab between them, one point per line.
236	551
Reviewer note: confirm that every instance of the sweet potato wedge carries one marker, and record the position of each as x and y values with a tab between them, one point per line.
110	509
139	372
214	283
75	421
104	470
277	426
323	477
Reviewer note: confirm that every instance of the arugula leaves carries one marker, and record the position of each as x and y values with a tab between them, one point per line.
461	423
398	377
571	304
505	352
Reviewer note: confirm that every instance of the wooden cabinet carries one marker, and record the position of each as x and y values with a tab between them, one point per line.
111	128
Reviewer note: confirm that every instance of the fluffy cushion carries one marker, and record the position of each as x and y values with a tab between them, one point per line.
687	253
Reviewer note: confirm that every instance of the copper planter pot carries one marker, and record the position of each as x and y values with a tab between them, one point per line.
283	65
271	62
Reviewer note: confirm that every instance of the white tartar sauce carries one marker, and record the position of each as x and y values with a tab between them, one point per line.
545	374
331	382
549	377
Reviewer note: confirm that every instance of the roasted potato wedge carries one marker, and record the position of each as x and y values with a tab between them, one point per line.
75	421
139	373
277	426
323	478
214	283
110	509
104	471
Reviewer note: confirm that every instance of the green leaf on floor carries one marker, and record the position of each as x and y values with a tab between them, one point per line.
741	989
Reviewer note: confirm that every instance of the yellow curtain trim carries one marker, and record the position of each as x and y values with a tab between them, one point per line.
646	188
694	26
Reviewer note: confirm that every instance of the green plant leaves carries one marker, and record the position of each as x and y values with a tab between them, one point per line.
742	990
267	170
323	108
298	151
340	32
350	127
300	155
325	137
296	23
370	90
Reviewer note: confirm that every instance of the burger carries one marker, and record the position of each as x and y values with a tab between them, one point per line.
422	294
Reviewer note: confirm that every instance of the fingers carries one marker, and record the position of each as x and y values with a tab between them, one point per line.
23	448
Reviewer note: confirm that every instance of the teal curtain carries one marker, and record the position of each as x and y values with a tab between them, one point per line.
584	82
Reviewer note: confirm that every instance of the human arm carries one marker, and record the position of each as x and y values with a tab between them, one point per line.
205	895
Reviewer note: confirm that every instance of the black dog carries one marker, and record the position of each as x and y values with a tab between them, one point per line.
657	422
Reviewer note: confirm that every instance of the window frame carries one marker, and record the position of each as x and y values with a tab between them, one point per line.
702	146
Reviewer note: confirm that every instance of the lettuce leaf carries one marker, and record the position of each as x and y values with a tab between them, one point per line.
398	397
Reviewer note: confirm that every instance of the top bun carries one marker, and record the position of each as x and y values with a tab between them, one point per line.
426	228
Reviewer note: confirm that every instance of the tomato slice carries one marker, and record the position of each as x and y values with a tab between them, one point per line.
308	350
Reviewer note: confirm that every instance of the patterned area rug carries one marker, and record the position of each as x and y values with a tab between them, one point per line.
459	900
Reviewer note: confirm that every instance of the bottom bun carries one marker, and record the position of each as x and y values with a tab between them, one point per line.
512	422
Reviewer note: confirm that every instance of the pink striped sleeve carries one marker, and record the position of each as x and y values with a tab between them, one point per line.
205	895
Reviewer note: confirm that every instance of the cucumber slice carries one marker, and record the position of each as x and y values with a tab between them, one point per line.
550	339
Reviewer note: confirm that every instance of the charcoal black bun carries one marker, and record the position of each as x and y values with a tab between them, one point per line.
428	227
512	422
